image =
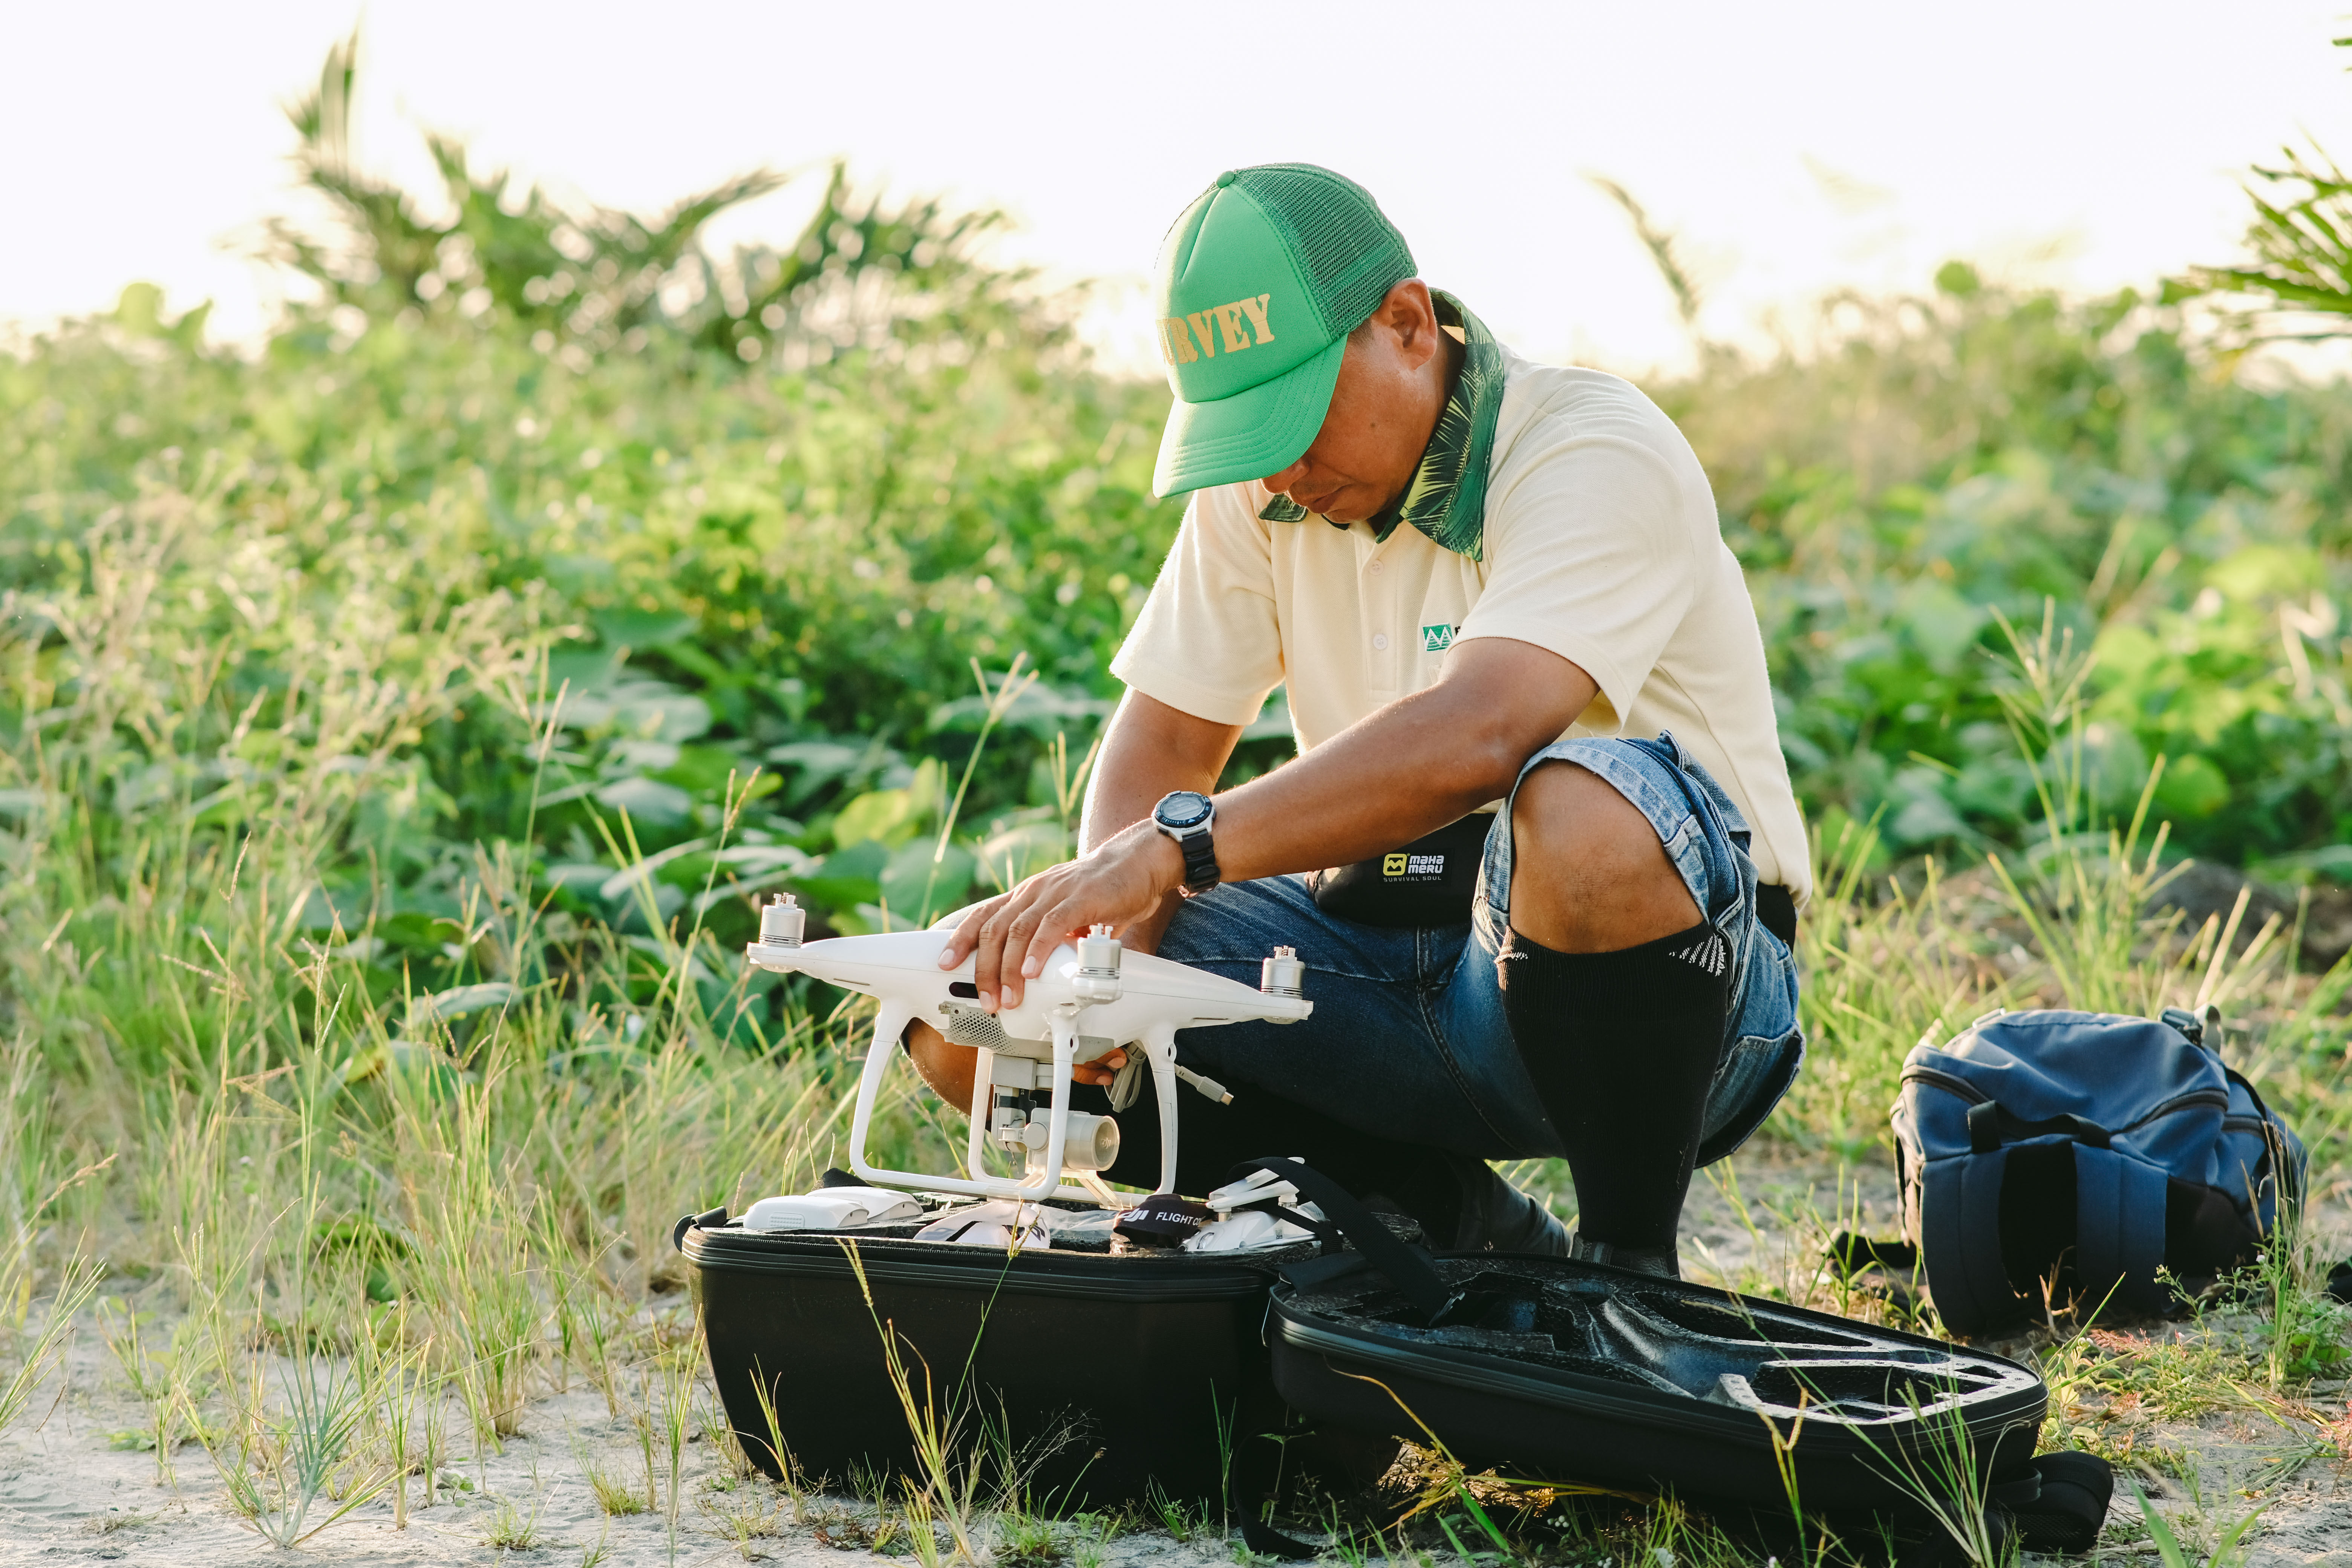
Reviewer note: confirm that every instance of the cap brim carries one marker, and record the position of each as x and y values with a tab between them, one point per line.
1258	431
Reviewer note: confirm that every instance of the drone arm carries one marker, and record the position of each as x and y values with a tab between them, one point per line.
1064	1025
1160	1049
890	1023
984	1108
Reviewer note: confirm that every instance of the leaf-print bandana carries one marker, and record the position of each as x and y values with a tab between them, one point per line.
1448	498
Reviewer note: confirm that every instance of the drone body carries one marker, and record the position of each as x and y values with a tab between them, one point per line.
1092	999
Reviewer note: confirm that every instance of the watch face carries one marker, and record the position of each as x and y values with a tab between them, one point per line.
1182	809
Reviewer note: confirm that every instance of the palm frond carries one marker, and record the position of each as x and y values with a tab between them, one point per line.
603	279
1660	243
2301	240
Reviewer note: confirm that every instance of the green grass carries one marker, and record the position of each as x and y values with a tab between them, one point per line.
615	1499
512	1529
742	1516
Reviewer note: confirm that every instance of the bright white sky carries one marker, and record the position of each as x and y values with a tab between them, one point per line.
1797	147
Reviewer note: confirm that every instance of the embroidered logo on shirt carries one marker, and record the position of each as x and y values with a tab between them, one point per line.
1710	954
1436	638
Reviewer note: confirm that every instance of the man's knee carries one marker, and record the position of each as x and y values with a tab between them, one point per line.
946	1066
1588	874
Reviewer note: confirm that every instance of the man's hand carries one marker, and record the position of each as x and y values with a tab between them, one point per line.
1119	882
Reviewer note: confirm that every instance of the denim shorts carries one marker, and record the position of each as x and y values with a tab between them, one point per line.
1409	1040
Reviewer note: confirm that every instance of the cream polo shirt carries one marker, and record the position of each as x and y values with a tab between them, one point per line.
1602	546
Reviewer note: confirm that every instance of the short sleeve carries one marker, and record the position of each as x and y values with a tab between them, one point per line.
1591	555
1208	642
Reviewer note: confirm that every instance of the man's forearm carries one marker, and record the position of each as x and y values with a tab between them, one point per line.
1124	788
1149	750
1406	770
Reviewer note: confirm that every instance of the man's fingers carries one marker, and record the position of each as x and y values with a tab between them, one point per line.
1011	932
1044	922
958	944
988	951
1012	969
989	971
1052	929
966	935
1103	1070
1011	937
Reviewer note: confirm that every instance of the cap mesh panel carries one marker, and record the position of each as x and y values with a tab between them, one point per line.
1352	254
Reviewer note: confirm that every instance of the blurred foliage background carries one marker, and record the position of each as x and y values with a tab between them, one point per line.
600	534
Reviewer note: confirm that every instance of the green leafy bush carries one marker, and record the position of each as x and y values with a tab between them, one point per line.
798	510
1942	463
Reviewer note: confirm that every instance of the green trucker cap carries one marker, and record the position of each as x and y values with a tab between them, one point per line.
1258	286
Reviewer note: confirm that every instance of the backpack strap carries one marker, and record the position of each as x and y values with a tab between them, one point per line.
2190	1026
2288	1156
1959	1236
2118	1228
1990	1125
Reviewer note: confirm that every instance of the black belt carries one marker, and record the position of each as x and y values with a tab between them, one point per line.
1431	882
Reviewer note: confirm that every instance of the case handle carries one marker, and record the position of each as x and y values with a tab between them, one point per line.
708	1219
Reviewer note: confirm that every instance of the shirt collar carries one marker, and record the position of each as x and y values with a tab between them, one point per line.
1448	498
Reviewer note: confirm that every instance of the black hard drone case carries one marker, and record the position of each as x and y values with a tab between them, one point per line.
1162	1367
1145	1362
1552	1370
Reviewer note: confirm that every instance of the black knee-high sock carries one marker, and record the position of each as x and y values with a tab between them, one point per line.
1621	1047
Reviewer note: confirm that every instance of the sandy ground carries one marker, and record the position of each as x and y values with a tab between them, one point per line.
2234	1458
69	1493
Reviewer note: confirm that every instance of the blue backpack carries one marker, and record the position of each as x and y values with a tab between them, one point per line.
2077	1153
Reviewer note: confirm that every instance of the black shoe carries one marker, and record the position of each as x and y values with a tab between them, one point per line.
1663	1262
1498	1218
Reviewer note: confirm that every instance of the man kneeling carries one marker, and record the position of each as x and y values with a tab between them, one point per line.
1512	638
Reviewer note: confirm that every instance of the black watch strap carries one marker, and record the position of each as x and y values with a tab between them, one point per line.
1200	871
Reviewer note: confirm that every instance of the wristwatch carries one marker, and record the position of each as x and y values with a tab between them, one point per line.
1186	816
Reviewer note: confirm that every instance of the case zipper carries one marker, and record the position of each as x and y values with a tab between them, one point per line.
1947	1082
1954	1085
2194	1098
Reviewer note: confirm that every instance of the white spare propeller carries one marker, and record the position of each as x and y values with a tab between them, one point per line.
832	1209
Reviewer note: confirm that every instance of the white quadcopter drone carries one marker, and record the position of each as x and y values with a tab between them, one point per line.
1090	1001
